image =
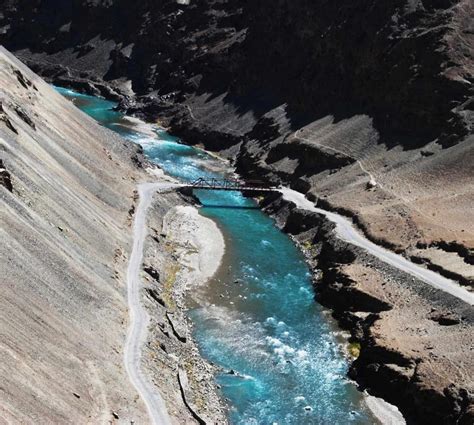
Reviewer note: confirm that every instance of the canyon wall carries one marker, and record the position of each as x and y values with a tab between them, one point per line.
407	64
367	107
66	205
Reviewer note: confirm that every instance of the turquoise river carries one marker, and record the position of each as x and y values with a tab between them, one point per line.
258	316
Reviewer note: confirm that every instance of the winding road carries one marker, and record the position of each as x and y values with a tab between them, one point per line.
346	231
139	318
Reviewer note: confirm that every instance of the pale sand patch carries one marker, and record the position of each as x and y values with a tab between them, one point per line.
142	127
385	412
197	243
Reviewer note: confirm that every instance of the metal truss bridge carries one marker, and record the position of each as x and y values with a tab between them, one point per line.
228	184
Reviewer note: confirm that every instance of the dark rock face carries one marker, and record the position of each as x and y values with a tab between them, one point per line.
156	297
374	58
5	178
152	272
6	120
27	84
24	116
405	63
401	376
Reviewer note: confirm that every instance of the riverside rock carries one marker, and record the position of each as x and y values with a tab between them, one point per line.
407	354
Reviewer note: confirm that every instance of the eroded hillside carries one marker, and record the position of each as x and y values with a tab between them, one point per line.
367	107
66	192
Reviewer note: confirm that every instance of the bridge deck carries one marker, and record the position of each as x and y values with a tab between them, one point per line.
237	188
229	184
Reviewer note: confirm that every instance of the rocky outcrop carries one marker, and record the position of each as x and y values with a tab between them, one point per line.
5	178
414	342
5	119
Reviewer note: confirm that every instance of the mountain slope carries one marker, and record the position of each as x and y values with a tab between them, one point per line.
368	107
65	240
406	63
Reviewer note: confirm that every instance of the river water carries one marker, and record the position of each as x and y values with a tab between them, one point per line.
257	318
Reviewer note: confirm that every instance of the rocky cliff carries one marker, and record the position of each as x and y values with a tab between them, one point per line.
407	64
365	106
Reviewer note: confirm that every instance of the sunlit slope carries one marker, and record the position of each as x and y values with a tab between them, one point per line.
65	239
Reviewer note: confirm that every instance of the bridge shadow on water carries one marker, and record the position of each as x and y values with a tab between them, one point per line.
232	207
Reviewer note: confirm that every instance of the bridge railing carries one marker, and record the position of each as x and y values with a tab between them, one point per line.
229	184
217	183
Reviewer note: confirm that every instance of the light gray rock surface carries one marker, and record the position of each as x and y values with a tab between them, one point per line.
65	240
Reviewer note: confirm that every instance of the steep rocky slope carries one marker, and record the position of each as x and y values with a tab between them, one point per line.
408	64
66	191
68	197
367	106
65	197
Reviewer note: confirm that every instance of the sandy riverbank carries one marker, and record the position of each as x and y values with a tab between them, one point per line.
182	250
198	246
